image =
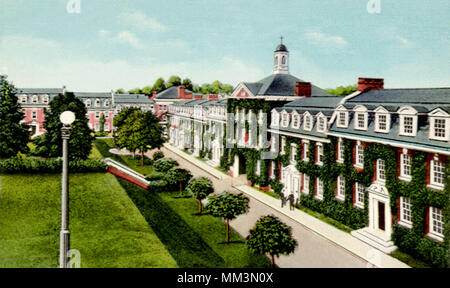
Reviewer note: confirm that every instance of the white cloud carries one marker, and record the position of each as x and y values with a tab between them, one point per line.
325	41
141	21
123	37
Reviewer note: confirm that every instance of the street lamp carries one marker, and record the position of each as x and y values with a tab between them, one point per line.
66	118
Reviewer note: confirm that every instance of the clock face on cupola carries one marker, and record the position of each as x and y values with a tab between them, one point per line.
281	59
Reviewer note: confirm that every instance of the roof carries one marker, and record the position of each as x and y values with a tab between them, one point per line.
132	99
281	47
171	93
281	85
39	90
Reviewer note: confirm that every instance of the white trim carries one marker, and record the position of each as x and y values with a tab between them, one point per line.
317	196
381	111
238	89
340	195
402	220
319	147
298	135
407	112
433	234
359	204
360	110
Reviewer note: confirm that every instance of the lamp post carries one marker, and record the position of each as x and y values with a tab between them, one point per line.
66	118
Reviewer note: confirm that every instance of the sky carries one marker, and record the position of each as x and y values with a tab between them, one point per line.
113	44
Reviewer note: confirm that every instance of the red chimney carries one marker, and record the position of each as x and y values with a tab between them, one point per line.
303	89
153	95
366	84
181	92
198	97
213	97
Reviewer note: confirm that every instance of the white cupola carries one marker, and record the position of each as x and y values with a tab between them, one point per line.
281	59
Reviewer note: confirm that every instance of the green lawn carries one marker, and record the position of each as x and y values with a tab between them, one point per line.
192	240
105	226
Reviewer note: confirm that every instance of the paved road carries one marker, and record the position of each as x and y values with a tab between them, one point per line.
313	251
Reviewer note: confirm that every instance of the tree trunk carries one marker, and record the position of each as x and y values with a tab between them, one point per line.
273	261
142	153
227	221
199	206
180	188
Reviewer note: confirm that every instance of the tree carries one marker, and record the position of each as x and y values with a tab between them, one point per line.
205	89
120	91
200	188
227	206
226	88
178	176
188	84
136	130
215	87
135	91
342	91
164	165
173	81
271	236
14	136
50	143
159	85
102	123
147	90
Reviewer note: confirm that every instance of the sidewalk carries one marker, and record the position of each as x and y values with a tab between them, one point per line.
340	238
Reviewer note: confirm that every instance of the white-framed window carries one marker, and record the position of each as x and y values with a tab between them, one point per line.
305	151
405	166
360	118
33	115
107	127
107	115
319	188
293	153
295	120
319	154
408	121
307	122
382	120
437	172
359	194
359	156
23	99
88	103
283	144
34	99
272	170
321	124
97	115
106	103
342	117
381	170
436	225
97	126
340	188
97	103
44	99
439	126
284	119
340	151
405	212
275	118
305	189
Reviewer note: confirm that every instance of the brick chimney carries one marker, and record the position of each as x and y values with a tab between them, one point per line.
181	92
153	95
213	97
303	89
198	97
366	84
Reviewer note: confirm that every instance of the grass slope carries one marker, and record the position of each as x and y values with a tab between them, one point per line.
194	241
105	225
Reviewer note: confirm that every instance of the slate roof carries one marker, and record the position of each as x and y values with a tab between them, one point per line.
171	93
281	47
423	100
39	90
280	85
132	99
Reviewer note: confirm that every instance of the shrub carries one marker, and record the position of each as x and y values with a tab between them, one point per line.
164	165
158	186
155	176
158	155
52	165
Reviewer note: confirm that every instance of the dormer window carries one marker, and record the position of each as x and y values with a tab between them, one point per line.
439	125
275	118
382	120
295	120
408	121
284	119
97	103
23	99
360	118
88	103
34	99
307	122
321	123
44	99
342	117
106	103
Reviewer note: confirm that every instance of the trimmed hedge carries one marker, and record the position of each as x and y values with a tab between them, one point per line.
52	165
164	165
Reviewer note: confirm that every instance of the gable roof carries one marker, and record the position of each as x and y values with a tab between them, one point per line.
171	93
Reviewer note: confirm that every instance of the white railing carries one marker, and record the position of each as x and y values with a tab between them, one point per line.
126	170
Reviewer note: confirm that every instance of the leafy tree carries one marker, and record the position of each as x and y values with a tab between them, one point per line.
50	143
14	136
158	155
200	188
206	88
227	206
173	81
120	91
159	85
135	91
188	84
226	88
178	176
195	88
147	90
164	165
102	123
271	236
215	87
137	130
342	91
